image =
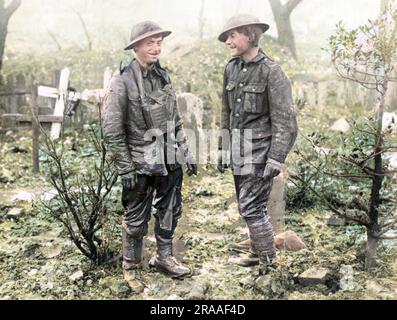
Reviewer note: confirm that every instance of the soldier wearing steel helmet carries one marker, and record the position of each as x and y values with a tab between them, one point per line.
259	128
142	125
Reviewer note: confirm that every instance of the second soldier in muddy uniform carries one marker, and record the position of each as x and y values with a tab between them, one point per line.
144	134
259	128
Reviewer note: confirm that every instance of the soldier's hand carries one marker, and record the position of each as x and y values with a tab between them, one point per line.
128	180
191	166
273	169
191	169
222	165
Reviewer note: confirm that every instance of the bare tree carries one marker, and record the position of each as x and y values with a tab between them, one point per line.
5	15
54	38
84	25
201	21
282	16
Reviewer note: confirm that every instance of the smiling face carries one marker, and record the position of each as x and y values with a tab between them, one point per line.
238	43
148	50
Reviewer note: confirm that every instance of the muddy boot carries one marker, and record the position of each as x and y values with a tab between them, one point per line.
132	254
242	246
246	260
165	262
134	280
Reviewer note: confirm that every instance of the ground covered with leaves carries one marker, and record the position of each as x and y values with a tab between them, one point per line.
38	260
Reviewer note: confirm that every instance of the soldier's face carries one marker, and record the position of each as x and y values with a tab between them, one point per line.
148	50
238	43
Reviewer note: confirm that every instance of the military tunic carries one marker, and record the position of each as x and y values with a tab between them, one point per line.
258	116
125	130
258	123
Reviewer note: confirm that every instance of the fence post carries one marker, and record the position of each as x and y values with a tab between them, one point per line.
11	106
35	130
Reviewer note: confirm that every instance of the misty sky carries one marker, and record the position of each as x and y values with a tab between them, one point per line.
109	22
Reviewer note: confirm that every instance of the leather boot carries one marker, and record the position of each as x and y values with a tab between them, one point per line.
246	260
132	256
165	262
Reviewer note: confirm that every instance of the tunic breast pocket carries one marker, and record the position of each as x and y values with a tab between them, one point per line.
254	95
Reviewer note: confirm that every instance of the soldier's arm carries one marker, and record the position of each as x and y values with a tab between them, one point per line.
224	136
113	124
282	114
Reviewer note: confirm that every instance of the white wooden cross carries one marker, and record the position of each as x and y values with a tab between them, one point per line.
60	95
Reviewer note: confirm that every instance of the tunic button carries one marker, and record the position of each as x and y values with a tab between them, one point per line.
241	84
238	100
245	70
237	115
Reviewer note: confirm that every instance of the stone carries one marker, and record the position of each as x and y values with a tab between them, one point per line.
77	275
336	221
276	202
199	291
33	272
115	285
289	241
341	126
346	273
51	250
191	110
313	276
264	284
15	213
248	281
392	161
389	122
23	196
48	196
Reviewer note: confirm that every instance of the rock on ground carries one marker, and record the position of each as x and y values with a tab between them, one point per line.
314	276
289	241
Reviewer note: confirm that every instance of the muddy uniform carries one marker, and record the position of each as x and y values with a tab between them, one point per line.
260	123
131	98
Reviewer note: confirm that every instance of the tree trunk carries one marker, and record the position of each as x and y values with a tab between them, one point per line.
370	255
5	15
3	36
282	17
376	185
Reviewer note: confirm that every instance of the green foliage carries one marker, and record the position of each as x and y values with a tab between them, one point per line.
338	167
367	54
